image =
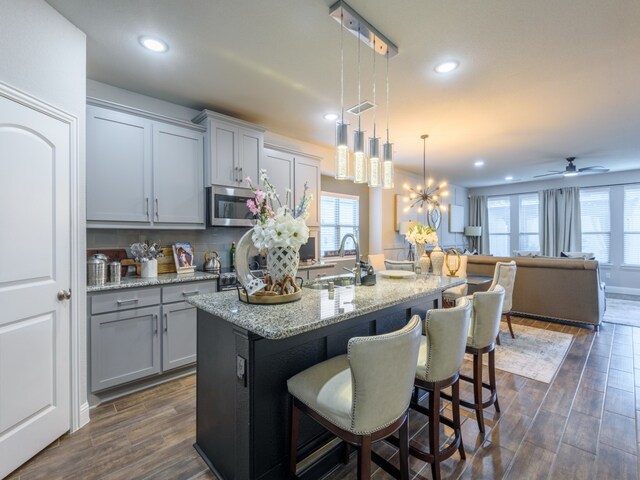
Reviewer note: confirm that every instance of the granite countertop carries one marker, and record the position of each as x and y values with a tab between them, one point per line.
162	279
286	320
316	265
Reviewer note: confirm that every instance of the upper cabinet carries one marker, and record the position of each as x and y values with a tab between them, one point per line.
288	169
233	149
143	172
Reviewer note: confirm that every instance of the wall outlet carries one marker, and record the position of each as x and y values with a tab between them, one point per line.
241	370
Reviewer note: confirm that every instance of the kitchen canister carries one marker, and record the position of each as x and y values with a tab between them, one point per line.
96	271
115	271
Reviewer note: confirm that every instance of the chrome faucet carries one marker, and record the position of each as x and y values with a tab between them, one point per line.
356	270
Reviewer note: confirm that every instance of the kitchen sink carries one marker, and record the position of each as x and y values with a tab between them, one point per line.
323	283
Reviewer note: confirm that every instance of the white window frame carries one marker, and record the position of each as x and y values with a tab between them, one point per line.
609	232
520	233
624	228
356	228
510	223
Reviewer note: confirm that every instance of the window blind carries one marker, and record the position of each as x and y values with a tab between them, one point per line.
499	225
632	224
595	217
339	215
529	221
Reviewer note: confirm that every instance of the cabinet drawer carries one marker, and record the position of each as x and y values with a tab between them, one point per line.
177	293
124	300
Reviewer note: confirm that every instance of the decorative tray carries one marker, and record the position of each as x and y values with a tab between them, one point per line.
269	299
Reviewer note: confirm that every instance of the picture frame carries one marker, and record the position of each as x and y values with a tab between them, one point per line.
456	219
183	257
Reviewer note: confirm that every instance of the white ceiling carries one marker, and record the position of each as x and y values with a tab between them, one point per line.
539	80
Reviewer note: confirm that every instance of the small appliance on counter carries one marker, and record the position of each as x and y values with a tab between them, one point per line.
97	270
212	262
229	280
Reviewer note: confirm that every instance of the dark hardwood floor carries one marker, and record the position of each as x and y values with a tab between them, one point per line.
584	425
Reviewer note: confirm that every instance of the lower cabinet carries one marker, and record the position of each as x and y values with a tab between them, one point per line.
129	343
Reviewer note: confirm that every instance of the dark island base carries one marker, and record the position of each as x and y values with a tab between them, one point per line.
243	408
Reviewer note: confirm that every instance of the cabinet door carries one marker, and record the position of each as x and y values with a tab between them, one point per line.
178	167
118	167
179	335
279	167
224	154
125	346
308	171
251	146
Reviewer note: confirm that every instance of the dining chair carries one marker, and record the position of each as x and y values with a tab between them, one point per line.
399	265
361	397
505	276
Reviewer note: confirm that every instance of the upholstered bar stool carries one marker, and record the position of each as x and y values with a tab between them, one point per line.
441	356
450	295
361	397
505	276
483	330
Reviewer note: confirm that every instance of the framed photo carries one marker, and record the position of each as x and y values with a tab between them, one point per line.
183	257
456	219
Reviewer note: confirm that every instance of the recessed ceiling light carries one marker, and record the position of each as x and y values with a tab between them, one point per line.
330	116
446	67
508	178
154	44
479	163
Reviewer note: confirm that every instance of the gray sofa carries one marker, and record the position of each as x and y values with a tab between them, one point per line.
565	289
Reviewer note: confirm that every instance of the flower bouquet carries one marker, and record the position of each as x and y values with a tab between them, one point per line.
421	235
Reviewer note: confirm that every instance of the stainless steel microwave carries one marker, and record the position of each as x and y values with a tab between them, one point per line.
227	207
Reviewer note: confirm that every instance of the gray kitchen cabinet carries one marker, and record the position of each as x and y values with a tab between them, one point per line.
143	172
279	167
140	332
125	346
118	167
233	149
307	170
178	171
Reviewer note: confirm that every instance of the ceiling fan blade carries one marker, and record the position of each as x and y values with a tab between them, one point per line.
593	169
547	174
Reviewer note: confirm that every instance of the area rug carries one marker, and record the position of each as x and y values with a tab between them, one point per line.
623	311
534	353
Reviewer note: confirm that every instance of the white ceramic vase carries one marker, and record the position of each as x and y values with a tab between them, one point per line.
282	262
422	260
437	260
149	269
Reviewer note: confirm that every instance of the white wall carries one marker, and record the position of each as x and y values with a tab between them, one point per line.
618	277
44	55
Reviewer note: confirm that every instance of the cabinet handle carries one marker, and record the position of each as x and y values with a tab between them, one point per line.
166	322
157	213
235	174
155	321
126	302
147	200
240	179
191	293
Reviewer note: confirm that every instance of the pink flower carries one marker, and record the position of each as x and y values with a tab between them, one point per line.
251	204
260	196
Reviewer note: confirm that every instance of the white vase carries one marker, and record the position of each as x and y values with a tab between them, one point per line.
422	261
437	260
282	262
149	269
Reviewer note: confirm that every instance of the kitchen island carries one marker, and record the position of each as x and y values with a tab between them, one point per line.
246	353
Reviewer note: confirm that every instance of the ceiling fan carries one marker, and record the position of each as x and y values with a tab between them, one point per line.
571	170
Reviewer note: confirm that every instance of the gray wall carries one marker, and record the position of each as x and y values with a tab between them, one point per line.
44	56
619	278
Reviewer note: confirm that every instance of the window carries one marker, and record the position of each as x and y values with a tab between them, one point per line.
529	219
632	224
339	215
596	223
499	225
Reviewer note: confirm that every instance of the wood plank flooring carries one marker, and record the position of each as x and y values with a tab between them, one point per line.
584	425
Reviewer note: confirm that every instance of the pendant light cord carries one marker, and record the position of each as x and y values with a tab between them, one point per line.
374	87
359	83
387	94
342	67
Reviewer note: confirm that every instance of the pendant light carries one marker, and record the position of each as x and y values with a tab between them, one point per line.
387	148
374	142
342	147
360	161
429	196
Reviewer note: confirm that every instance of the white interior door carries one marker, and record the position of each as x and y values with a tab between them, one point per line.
34	268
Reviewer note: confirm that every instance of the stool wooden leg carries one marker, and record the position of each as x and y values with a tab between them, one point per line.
455	400
477	390
403	437
492	378
293	446
498	339
364	458
508	315
434	431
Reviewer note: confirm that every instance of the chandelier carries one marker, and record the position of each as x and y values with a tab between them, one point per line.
372	170
430	196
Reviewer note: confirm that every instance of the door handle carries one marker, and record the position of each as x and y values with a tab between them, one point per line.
157	213
126	302
64	294
155	321
166	323
147	200
191	293
235	174
240	179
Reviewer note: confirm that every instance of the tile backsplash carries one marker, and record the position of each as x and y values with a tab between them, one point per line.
215	238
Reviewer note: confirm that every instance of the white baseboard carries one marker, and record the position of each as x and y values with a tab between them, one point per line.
84	415
622	290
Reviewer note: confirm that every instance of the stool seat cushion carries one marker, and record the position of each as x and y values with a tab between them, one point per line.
327	389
